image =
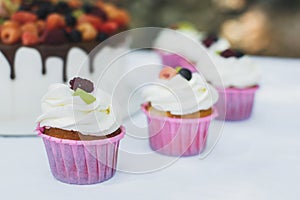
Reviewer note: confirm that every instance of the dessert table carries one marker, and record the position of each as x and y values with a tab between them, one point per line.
256	159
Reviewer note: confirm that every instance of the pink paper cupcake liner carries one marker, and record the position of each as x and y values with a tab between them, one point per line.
82	162
173	60
177	137
238	103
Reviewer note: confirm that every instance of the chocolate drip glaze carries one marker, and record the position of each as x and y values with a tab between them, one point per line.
9	52
46	51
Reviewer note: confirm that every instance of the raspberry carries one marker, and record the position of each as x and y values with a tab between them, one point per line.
30	38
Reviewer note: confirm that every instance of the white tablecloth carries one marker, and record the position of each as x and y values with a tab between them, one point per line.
254	159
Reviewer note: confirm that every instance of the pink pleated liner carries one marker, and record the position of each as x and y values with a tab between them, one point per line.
176	136
235	104
174	60
82	162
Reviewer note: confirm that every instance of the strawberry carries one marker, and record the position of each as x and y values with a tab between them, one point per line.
55	21
95	21
24	17
30	38
109	27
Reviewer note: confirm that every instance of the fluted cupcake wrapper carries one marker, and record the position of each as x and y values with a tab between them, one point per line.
176	136
174	60
238	103
82	162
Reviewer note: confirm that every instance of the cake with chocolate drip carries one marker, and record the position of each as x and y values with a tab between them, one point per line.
54	28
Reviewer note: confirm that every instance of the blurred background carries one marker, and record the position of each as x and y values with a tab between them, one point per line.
258	27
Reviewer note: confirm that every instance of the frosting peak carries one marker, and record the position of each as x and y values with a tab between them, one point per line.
61	109
234	72
180	96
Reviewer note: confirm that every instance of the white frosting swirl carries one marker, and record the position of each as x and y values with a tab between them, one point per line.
63	110
220	45
180	96
234	72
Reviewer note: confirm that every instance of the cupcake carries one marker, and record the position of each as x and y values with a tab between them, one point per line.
81	132
183	54
174	41
179	109
239	82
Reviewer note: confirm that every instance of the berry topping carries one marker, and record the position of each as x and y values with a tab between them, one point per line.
30	38
87	30
102	36
75	36
109	27
210	40
167	73
232	53
70	20
185	73
42	12
23	17
62	7
239	53
87	8
99	13
56	36
81	83
11	35
55	21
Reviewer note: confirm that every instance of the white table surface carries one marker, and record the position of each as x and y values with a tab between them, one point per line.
254	159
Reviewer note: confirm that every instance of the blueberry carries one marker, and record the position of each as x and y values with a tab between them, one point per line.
75	36
87	8
24	7
102	36
239	53
62	7
81	83
42	12
185	73
70	20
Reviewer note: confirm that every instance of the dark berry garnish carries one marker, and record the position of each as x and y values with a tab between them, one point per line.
87	8
42	12
62	7
239	53
232	53
102	36
185	73
54	37
210	40
24	7
99	13
81	83
228	53
75	36
70	20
